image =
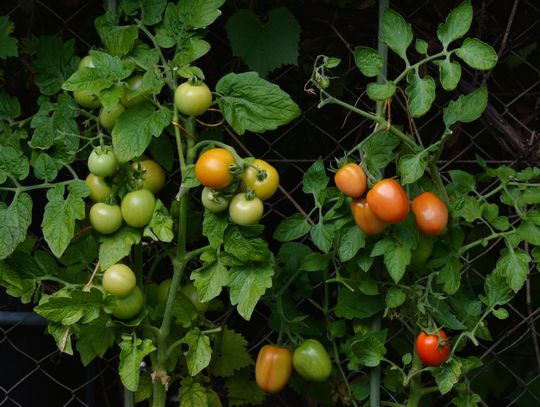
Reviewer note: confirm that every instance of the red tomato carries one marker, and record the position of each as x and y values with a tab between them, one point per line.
273	368
212	168
366	220
388	201
351	180
431	351
431	213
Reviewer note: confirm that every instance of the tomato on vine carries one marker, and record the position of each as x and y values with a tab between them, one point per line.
388	201
422	252
152	175
430	212
213	202
244	211
99	189
108	117
262	178
311	361
351	180
102	161
87	99
366	220
133	83
104	218
190	291
129	306
273	368
192	99
138	207
431	350
119	280
212	168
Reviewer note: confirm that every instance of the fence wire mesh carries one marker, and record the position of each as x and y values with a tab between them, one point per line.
507	134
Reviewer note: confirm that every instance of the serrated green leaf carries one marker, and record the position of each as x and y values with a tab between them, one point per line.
322	235
412	167
466	108
229	354
314	262
211	277
45	167
350	241
196	14
395	297
214	225
244	247
354	304
445	316
115	247
264	46
10	108
368	60
456	25
396	32
62	336
73	307
199	351
132	352
292	228
8	45
247	283
13	162
151	11
450	274
315	179
465	397
160	227
118	39
529	232
368	350
193	394
421	93
242	389
449	73
477	54
380	91
514	266
447	375
378	149
54	62
193	49
93	340
497	290
396	258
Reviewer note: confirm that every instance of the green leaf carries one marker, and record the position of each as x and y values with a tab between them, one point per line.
369	350
450	274
445	316
73	307
229	354
514	266
93	340
45	167
477	54
314	262
60	215
322	235
14	223
244	247
380	91
62	336
315	179
447	375
354	304
251	103
242	390
378	149
196	14
421	93
501	313
497	291
248	282
396	257
160	227
142	54
462	182
193	49
368	60
214	226
8	45
456	25
211	277
412	167
10	108
350	241
395	297
529	232
264	46
292	228
396	32
115	247
421	46
199	351
134	129
132	352
466	108
465	397
118	39
449	73
193	394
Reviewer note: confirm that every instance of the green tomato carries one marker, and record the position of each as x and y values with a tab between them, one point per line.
311	361
245	211
213	203
422	252
102	161
86	99
128	307
133	84
99	189
152	175
138	207
119	280
192	99
107	117
105	219
191	292
163	291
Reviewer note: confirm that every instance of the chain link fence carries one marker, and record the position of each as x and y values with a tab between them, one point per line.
507	134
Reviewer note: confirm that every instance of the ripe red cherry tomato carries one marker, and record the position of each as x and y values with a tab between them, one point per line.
431	351
431	213
351	180
388	201
192	99
212	168
366	220
264	182
273	368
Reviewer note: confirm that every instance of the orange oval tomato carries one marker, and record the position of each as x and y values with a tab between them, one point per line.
273	368
351	180
212	168
366	220
431	350
388	201
431	213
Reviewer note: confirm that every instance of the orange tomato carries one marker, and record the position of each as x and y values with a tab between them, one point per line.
273	368
212	168
431	213
366	220
351	180
388	201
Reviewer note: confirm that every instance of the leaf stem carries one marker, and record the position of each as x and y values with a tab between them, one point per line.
415	66
469	246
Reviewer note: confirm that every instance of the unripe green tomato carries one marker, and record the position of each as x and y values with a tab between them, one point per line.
119	280
105	219
213	203
102	161
311	361
191	292
133	83
99	189
128	307
422	252
153	176
86	99
163	291
107	117
86	62
244	211
192	99
138	207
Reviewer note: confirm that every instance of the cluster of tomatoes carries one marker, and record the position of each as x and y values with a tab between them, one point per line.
274	365
387	203
120	281
239	187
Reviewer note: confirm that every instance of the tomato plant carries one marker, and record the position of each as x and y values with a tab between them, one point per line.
311	361
151	174
102	161
119	280
388	201
366	220
212	201
430	212
212	168
192	99
244	210
273	368
433	350
262	178
138	207
105	218
351	180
